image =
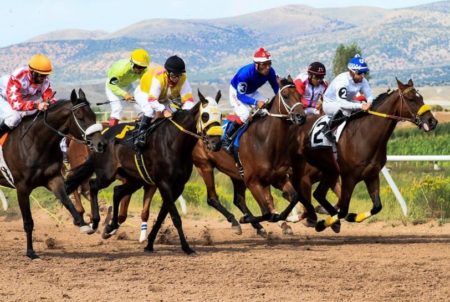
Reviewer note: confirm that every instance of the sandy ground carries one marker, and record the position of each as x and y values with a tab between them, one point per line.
365	262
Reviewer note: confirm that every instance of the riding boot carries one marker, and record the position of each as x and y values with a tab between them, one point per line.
139	141
4	128
229	136
335	121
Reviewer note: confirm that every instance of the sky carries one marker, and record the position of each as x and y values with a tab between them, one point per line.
21	20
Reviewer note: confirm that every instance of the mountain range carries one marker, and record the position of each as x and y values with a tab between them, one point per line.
406	43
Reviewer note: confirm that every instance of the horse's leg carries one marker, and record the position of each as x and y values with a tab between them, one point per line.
149	191
348	185
122	191
23	197
155	229
176	219
265	201
56	185
212	199
239	201
75	197
373	187
123	208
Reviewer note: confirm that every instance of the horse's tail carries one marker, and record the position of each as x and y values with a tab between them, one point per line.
78	175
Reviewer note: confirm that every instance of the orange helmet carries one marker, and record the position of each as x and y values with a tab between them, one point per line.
40	64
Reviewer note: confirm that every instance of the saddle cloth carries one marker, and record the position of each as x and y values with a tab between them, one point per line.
318	139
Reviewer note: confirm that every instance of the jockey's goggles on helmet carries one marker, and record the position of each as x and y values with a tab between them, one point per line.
360	72
38	77
318	77
265	64
138	67
174	76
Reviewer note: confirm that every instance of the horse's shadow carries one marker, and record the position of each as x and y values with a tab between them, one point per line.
300	243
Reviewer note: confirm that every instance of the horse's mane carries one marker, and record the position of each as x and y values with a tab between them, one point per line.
55	106
375	104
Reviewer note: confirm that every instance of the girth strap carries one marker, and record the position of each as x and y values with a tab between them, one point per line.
140	165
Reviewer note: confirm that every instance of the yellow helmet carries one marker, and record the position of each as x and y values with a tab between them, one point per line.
140	57
41	64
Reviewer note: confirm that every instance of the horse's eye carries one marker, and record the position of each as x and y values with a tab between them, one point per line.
205	117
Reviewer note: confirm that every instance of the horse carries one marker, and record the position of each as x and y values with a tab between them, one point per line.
361	151
266	137
32	154
167	164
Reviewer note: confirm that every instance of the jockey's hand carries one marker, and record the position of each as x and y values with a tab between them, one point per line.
167	113
365	106
319	105
260	104
41	106
128	98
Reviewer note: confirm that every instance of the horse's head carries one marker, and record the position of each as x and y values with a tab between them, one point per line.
83	123
209	121
412	106
287	101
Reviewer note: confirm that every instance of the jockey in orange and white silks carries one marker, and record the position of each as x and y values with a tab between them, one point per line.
122	76
311	86
158	87
25	91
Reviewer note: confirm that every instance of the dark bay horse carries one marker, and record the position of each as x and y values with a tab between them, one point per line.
168	164
361	150
34	158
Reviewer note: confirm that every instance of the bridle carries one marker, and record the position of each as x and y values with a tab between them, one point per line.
84	132
289	109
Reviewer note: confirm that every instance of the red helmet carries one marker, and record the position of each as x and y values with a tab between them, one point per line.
261	56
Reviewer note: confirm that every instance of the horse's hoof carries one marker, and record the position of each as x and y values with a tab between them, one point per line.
336	227
142	237
261	232
86	229
148	249
309	223
351	217
320	226
108	231
32	255
94	225
189	251
287	230
237	229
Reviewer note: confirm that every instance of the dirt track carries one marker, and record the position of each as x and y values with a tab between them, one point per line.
366	262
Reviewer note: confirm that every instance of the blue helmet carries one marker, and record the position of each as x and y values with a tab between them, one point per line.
358	64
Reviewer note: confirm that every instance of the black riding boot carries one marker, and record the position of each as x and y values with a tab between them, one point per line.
139	141
228	141
335	121
3	128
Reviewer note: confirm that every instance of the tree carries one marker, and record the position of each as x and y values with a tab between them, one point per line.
343	54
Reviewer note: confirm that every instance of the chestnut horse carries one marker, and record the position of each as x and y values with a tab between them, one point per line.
33	155
361	151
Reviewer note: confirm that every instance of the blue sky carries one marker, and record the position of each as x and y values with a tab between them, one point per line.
21	20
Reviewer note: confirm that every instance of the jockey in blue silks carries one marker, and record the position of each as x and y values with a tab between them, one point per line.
244	95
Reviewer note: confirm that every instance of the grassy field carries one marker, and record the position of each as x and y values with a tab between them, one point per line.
426	190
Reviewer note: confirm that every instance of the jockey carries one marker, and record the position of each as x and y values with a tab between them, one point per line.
153	94
339	100
121	78
25	91
311	87
244	94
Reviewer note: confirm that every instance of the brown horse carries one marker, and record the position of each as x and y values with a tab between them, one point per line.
34	158
361	151
167	164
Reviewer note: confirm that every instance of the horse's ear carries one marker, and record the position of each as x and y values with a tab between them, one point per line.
218	96
410	82
202	98
81	94
399	84
73	96
290	78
